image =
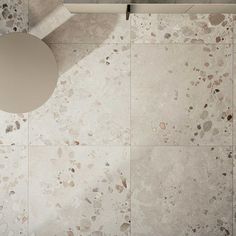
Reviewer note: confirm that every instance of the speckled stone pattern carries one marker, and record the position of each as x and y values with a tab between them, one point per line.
200	91
189	187
138	137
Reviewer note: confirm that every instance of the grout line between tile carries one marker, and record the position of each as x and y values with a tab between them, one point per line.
168	44
151	44
113	146
123	146
93	43
28	148
130	25
232	139
28	23
232	72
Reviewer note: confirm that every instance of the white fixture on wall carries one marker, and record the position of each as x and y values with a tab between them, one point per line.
28	72
74	6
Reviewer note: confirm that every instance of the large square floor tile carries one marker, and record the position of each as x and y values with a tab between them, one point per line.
90	105
13	191
181	28
181	191
181	95
79	191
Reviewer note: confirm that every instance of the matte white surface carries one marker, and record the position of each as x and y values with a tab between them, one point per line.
28	72
168	8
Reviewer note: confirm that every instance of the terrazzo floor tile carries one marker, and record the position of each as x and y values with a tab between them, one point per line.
182	28
13	191
181	191
92	28
79	191
90	105
13	16
181	95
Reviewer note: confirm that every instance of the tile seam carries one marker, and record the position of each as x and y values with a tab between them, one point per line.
130	120
28	23
151	44
232	72
120	146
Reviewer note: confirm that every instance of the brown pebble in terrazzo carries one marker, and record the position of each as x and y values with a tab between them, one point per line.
119	188
204	115
230	155
124	227
216	91
207	126
70	233
124	182
162	125
210	77
17	124
205	49
229	117
218	39
9	128
223	229
167	35
11	193
216	19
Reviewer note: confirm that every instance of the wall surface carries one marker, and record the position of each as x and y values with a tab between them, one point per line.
138	138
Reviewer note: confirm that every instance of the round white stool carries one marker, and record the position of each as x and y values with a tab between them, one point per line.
28	72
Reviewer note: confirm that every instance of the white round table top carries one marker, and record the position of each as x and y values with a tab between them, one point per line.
28	72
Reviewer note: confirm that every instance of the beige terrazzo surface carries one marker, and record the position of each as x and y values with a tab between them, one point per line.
188	100
181	191
138	137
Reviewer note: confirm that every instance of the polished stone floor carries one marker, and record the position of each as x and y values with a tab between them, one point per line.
138	138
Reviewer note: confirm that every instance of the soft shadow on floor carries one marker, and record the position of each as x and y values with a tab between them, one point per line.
56	25
90	30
